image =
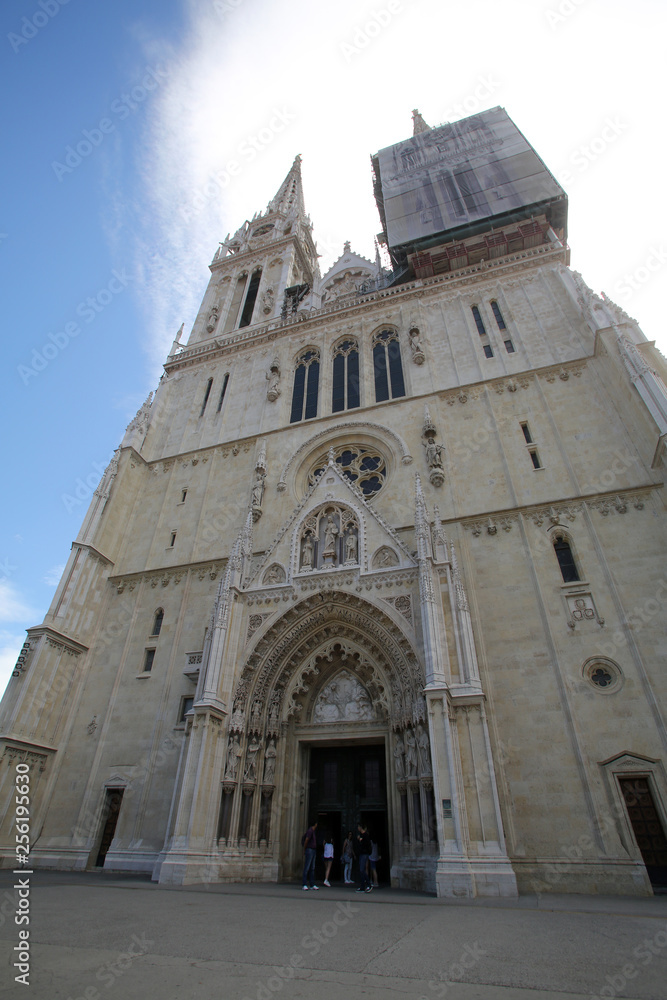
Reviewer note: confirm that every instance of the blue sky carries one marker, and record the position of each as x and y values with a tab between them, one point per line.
120	118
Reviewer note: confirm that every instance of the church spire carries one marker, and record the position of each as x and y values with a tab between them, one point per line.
289	198
419	125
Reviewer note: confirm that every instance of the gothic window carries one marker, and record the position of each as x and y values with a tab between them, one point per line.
157	621
149	656
498	315
249	305
223	391
185	706
481	329
387	365
363	466
207	393
345	393
488	351
565	556
306	387
509	347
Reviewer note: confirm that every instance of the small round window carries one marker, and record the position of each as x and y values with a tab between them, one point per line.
602	674
363	466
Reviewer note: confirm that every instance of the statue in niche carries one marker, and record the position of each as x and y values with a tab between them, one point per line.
250	773
258	490
385	557
424	750
268	298
415	346
433	454
307	554
256	713
330	536
399	752
274	710
212	321
410	754
351	546
270	763
233	754
273	378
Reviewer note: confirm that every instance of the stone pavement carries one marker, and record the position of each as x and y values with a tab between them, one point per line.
95	936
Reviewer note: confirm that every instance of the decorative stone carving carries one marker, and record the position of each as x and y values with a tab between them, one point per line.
307	552
582	609
351	547
344	699
415	346
268	299
273	377
274	574
384	558
257	496
329	539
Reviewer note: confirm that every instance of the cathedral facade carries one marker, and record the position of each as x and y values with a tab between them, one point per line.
385	545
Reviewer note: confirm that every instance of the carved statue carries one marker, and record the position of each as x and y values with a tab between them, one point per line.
238	718
212	321
399	751
274	574
307	557
274	709
273	377
433	453
424	750
410	754
233	754
258	490
270	763
268	297
250	772
256	713
330	535
351	546
415	346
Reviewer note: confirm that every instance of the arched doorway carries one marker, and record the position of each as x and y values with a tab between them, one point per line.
328	717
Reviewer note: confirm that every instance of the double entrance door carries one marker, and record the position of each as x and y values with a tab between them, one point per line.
348	785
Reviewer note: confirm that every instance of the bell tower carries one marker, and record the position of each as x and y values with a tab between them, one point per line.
264	270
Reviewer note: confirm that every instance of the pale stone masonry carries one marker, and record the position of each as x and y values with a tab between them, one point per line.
381	546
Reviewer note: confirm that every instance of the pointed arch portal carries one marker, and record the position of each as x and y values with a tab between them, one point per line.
331	696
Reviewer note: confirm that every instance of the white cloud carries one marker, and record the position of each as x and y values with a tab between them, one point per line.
52	576
13	608
10	646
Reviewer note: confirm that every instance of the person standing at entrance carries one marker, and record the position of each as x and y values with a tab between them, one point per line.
372	862
309	852
363	853
347	857
328	858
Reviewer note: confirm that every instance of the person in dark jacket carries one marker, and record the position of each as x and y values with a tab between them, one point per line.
309	853
363	851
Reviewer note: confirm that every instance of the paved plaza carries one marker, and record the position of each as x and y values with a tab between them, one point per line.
99	936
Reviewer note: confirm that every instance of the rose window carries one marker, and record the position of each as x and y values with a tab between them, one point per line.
364	467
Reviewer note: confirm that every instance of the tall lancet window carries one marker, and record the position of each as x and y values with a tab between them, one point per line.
387	366
306	387
251	297
345	393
